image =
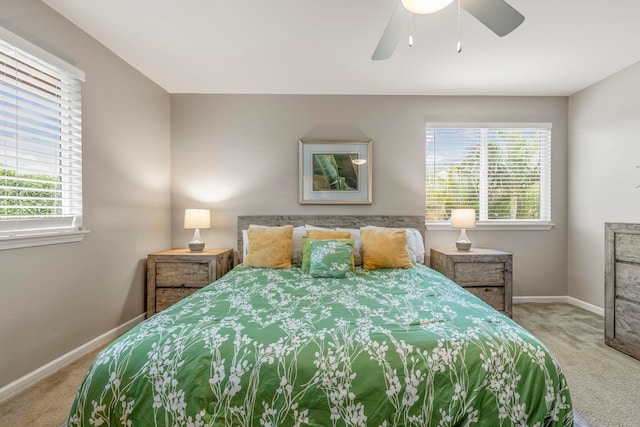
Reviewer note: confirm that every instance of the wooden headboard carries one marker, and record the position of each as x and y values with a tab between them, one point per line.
330	221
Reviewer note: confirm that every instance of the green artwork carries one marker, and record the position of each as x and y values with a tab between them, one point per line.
335	172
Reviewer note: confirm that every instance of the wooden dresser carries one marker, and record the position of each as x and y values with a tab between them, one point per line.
622	288
486	273
177	273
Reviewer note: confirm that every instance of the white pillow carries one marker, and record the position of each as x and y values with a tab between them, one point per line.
296	248
299	233
415	244
245	244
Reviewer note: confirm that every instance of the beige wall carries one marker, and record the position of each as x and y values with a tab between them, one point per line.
604	155
55	298
238	154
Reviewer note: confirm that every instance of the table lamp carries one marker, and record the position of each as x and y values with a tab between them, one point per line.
195	219
463	219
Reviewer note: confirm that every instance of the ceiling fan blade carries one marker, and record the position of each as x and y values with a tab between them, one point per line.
397	26
497	15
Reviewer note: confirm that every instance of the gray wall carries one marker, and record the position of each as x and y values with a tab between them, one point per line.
604	155
238	154
55	298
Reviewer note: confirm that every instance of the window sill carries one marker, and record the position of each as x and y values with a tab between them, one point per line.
28	240
504	226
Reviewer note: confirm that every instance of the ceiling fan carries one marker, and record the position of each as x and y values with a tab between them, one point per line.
497	15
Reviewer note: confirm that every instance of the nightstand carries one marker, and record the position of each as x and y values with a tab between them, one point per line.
177	273
486	273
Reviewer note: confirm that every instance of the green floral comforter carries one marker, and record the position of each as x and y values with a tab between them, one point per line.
264	347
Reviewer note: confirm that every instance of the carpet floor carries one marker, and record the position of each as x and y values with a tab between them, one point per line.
604	383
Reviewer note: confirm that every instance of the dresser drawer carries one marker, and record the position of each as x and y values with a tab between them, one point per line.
627	322
479	273
628	281
627	248
182	274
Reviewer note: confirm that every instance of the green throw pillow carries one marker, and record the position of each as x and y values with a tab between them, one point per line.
329	258
306	252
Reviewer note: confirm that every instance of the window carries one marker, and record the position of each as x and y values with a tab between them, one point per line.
40	143
503	171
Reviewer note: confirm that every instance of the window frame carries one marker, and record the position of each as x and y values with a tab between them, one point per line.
25	237
545	179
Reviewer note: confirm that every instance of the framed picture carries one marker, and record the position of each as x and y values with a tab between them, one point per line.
335	172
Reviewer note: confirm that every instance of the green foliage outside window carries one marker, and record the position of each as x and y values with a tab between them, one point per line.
28	194
513	175
457	186
514	182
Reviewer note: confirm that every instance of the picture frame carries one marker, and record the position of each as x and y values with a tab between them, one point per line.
334	172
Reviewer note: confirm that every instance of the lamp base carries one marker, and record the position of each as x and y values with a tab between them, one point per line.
463	246
196	247
463	243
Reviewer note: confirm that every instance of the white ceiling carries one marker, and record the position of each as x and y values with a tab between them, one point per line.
325	46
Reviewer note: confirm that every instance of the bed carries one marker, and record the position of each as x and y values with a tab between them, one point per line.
285	347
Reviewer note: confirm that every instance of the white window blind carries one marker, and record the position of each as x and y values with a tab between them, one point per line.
503	171
40	141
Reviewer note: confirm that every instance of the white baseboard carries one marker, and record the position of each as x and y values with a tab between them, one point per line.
557	299
589	307
561	299
21	384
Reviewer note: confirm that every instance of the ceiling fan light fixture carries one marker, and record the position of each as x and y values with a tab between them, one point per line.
425	6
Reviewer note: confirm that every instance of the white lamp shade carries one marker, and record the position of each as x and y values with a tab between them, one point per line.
463	218
197	218
425	6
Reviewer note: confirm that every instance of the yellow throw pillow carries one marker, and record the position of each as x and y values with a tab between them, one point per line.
384	248
327	234
269	247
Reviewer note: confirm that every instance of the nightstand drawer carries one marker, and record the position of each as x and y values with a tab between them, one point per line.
479	274
494	296
182	274
166	297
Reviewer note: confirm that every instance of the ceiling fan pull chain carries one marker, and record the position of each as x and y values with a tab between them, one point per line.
459	28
